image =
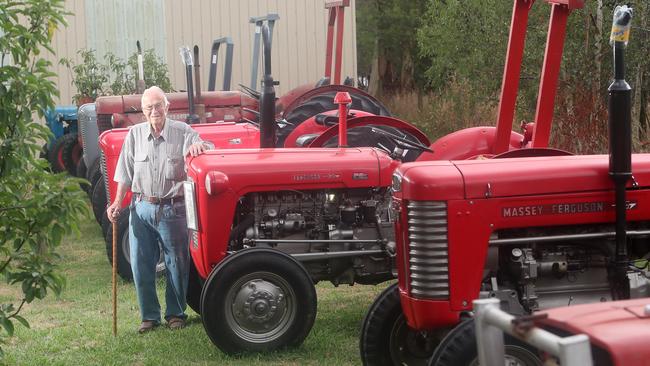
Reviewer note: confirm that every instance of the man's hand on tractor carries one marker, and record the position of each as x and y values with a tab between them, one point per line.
196	149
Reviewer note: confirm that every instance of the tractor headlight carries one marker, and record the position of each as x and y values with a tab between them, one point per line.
190	206
215	182
397	182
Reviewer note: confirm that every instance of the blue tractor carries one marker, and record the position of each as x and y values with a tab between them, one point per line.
63	151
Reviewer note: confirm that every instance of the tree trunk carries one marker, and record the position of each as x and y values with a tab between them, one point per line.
376	72
637	101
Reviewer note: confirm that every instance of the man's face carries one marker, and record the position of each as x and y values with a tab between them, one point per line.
154	108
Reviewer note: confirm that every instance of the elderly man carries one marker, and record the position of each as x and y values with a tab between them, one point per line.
152	164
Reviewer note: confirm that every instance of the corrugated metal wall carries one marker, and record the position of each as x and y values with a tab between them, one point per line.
165	25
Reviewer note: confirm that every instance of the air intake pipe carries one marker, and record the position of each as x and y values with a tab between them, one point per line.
619	121
267	99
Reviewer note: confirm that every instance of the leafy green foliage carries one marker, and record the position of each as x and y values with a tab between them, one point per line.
37	208
124	74
88	76
115	76
462	43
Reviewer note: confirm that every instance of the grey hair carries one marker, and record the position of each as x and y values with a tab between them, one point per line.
155	89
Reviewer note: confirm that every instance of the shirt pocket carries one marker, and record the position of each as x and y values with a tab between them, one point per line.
140	164
174	165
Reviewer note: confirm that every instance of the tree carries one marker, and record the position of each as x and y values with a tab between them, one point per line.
466	40
37	208
387	50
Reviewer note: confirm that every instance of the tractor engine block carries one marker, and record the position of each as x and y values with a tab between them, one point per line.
539	276
344	236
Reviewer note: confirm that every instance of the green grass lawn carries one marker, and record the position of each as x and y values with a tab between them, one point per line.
76	328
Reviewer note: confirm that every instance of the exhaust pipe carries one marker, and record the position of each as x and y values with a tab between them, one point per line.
199	107
267	99
620	131
186	56
139	84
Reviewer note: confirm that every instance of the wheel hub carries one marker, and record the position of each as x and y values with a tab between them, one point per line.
257	305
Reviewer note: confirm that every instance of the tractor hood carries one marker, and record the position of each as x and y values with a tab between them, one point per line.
622	328
543	175
276	169
132	103
222	135
477	179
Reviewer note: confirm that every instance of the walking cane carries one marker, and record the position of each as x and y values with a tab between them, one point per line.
114	279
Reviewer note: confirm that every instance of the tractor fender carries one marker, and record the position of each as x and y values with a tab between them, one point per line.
373	120
468	143
289	101
310	126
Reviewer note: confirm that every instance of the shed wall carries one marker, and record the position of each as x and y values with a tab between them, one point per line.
165	25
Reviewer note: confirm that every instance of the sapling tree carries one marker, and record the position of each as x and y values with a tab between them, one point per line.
37	208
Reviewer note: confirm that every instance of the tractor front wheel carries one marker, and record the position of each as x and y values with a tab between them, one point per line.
71	154
258	300
55	154
459	349
386	339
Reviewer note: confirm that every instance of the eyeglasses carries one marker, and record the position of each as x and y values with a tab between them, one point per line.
149	108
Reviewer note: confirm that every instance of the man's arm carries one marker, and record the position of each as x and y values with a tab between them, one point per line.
195	145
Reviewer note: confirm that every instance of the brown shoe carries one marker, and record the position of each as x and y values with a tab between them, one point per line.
146	326
176	323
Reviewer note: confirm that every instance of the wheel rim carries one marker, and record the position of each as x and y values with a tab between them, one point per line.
409	347
260	307
59	159
517	356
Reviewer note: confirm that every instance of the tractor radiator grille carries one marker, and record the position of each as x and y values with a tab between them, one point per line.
105	177
428	257
83	122
104	122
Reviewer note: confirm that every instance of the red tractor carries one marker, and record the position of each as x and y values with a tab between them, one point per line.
294	110
532	232
267	223
609	333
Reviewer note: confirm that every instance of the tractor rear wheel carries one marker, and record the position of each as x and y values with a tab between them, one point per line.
105	224
82	171
124	249
71	153
258	300
386	339
322	103
94	174
98	199
459	349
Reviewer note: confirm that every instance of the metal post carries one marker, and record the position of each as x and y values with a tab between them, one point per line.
227	71
490	344
336	15
550	74
331	19
512	74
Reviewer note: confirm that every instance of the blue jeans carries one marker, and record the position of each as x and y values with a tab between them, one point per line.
165	223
